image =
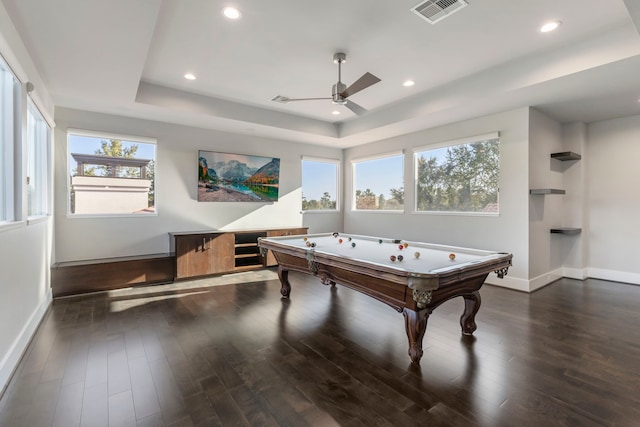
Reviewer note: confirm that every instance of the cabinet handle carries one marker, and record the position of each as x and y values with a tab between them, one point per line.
204	243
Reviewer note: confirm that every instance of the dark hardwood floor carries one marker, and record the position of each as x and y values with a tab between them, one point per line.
238	355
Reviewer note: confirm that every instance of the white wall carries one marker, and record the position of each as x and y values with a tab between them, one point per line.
507	232
545	211
25	249
176	186
613	155
575	210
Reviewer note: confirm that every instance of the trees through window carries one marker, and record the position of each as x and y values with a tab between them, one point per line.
379	183
320	180
458	178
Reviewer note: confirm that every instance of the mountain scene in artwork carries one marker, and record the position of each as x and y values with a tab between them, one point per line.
231	177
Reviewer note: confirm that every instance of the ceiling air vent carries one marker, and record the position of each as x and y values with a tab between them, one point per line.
436	10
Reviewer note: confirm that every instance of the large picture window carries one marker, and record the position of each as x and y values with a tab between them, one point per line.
460	177
111	174
8	102
37	162
379	183
320	183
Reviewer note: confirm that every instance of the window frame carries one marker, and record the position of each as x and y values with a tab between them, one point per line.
444	144
43	160
389	154
338	197
10	156
109	136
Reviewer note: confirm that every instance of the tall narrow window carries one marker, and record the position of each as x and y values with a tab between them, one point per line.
38	132
379	183
461	177
8	101
320	179
111	174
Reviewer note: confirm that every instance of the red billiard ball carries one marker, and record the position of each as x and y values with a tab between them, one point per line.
339	240
452	256
401	247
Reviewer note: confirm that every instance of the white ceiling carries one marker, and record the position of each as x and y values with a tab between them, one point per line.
128	57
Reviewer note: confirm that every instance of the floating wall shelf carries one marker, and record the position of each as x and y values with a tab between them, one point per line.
566	230
566	155
546	191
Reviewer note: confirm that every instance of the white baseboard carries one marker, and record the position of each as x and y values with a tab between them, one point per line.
508	282
614	275
575	273
11	359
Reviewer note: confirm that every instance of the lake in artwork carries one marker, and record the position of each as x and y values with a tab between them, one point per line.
225	177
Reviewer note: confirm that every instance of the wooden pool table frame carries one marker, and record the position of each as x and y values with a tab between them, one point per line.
415	295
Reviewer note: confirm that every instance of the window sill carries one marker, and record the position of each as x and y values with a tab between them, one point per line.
6	226
380	211
123	215
320	211
37	219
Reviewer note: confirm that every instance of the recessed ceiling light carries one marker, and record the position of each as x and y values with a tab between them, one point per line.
550	26
231	12
190	76
408	83
335	112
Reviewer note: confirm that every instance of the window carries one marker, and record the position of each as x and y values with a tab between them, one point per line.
37	162
379	183
8	101
320	184
460	177
111	174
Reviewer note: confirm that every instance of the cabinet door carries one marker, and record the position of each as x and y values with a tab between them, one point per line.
270	260
222	252
192	255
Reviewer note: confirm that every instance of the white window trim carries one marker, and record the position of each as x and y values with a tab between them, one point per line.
34	219
110	135
353	180
443	144
337	163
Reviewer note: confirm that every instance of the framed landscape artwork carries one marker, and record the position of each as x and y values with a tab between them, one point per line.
225	177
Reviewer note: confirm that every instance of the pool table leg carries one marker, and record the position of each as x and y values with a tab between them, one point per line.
285	288
471	307
415	323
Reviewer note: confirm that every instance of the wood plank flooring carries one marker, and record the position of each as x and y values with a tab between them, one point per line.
238	355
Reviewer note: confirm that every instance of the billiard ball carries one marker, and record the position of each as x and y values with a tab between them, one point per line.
452	256
401	247
392	258
349	238
308	243
339	240
305	239
335	234
405	244
353	244
416	254
313	244
380	241
400	257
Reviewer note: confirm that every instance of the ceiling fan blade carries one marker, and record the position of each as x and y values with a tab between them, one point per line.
284	99
363	82
355	108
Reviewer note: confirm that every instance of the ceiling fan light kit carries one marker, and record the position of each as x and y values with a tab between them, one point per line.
339	91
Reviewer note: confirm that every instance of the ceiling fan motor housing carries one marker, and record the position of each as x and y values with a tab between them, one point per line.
336	91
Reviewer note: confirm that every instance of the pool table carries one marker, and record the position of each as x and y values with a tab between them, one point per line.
412	277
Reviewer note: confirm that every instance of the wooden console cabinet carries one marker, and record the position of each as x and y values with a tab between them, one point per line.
215	252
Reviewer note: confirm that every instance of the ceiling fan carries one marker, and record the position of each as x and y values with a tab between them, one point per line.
340	92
